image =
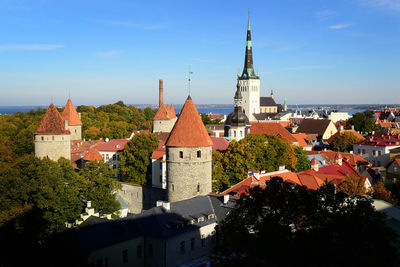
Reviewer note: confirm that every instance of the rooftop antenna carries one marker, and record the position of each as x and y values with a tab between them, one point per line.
190	72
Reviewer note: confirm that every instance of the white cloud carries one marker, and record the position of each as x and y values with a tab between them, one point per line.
325	14
109	53
339	26
389	4
30	47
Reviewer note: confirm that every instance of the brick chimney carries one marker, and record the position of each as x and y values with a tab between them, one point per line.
314	164
160	93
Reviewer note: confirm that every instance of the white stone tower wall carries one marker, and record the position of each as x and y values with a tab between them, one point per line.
250	90
76	131
163	125
189	176
53	146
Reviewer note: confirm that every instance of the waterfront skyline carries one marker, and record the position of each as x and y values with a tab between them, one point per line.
99	52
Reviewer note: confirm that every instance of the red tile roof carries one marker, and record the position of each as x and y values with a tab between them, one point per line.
80	147
189	130
329	157
219	143
165	113
382	140
303	139
356	134
114	145
93	155
69	114
51	123
271	129
158	154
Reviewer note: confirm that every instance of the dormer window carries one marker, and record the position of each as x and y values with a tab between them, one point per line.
210	216
200	219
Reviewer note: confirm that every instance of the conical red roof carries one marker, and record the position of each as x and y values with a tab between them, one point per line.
51	123
161	113
69	114
189	130
172	112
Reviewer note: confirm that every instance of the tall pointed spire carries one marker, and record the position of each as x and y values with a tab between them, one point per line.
248	70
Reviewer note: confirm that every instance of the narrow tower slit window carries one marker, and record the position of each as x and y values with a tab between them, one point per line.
198	153
181	154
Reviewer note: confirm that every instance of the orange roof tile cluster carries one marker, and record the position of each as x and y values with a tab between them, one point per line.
355	133
219	143
69	114
189	130
51	123
302	139
329	156
165	113
114	145
387	124
310	178
80	146
271	129
158	154
93	155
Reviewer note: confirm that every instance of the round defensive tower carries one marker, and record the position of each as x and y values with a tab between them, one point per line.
189	156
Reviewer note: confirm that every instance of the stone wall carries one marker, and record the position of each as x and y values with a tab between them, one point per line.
141	197
188	176
52	146
163	125
76	132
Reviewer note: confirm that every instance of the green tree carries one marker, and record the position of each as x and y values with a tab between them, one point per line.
220	180
100	187
282	218
303	163
343	142
364	122
135	164
380	192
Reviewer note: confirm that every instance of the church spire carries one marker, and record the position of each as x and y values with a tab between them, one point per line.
248	70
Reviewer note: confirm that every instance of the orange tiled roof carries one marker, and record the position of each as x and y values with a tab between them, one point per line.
356	134
165	113
93	155
189	130
302	138
158	154
272	129
172	114
114	145
51	123
69	114
219	143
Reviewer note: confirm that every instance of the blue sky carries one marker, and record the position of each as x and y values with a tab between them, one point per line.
99	52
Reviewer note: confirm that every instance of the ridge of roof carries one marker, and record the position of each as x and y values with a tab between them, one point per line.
93	154
69	114
189	130
51	123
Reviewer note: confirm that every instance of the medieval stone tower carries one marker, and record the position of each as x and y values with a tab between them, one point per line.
51	138
73	118
189	156
165	118
249	82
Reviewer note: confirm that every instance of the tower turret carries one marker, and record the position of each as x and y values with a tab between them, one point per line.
73	118
189	156
51	139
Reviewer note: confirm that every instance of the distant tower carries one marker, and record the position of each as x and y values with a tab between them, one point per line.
73	118
189	156
165	118
272	93
237	125
51	138
249	82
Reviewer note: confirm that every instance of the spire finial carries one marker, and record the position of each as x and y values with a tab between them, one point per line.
189	79
248	20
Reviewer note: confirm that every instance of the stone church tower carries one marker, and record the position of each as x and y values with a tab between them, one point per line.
51	138
249	82
73	118
189	156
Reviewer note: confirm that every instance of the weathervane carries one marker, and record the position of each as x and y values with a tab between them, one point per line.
190	72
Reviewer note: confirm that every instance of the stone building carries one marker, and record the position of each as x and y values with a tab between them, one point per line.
73	118
237	125
52	139
165	118
189	156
